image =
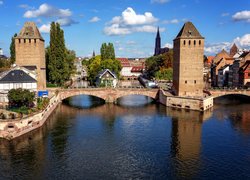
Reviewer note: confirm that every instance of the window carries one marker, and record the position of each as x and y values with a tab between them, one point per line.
35	40
248	74
19	40
24	40
184	42
194	42
185	82
199	42
189	42
29	40
194	81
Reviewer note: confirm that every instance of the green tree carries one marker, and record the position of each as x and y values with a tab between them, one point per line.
93	68
21	97
158	63
59	59
164	74
107	51
12	50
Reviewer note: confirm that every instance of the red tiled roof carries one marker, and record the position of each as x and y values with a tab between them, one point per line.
210	59
137	69
124	62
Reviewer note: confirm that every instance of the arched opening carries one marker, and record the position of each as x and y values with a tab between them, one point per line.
232	99
134	100
194	42
199	42
189	42
84	101
184	42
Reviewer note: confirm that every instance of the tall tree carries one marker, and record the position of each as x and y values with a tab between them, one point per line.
12	50
107	51
59	59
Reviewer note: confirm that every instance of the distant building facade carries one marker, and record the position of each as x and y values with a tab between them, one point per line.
158	49
132	68
30	51
188	62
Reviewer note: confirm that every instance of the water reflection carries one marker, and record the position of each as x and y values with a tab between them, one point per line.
106	141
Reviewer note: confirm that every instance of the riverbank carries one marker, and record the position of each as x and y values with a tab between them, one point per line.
10	129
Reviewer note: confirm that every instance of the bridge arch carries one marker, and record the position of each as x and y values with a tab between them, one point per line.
108	95
232	95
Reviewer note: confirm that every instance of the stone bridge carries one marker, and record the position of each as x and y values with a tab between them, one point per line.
222	92
107	94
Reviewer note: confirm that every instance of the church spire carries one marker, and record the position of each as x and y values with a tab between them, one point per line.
157	43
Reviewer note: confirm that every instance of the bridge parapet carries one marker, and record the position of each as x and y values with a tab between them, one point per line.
108	94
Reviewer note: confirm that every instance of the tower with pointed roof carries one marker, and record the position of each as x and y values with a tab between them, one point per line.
30	51
234	49
188	62
157	43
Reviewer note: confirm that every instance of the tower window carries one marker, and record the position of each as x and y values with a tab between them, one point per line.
194	81
194	42
189	42
24	40
19	40
184	42
185	82
199	42
29	40
35	40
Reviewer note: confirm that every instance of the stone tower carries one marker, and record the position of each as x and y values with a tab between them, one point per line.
188	62
157	43
30	51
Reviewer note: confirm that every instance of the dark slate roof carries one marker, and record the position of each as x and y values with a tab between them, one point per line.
101	73
31	68
189	31
17	76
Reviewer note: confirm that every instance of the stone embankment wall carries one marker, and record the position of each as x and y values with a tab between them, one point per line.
185	102
10	129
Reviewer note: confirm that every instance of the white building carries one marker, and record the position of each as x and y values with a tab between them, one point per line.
1	51
106	78
223	75
18	77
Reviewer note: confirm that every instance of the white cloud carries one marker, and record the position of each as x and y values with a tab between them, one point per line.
225	14
130	42
168	45
160	1
173	21
94	19
46	10
45	28
130	22
217	47
66	21
242	16
1	2
25	6
129	17
242	42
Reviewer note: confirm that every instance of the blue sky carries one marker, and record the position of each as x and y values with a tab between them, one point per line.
129	24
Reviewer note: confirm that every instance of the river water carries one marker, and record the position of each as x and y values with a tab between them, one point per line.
135	139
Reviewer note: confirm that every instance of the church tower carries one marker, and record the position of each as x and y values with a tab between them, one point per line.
157	43
188	62
30	51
